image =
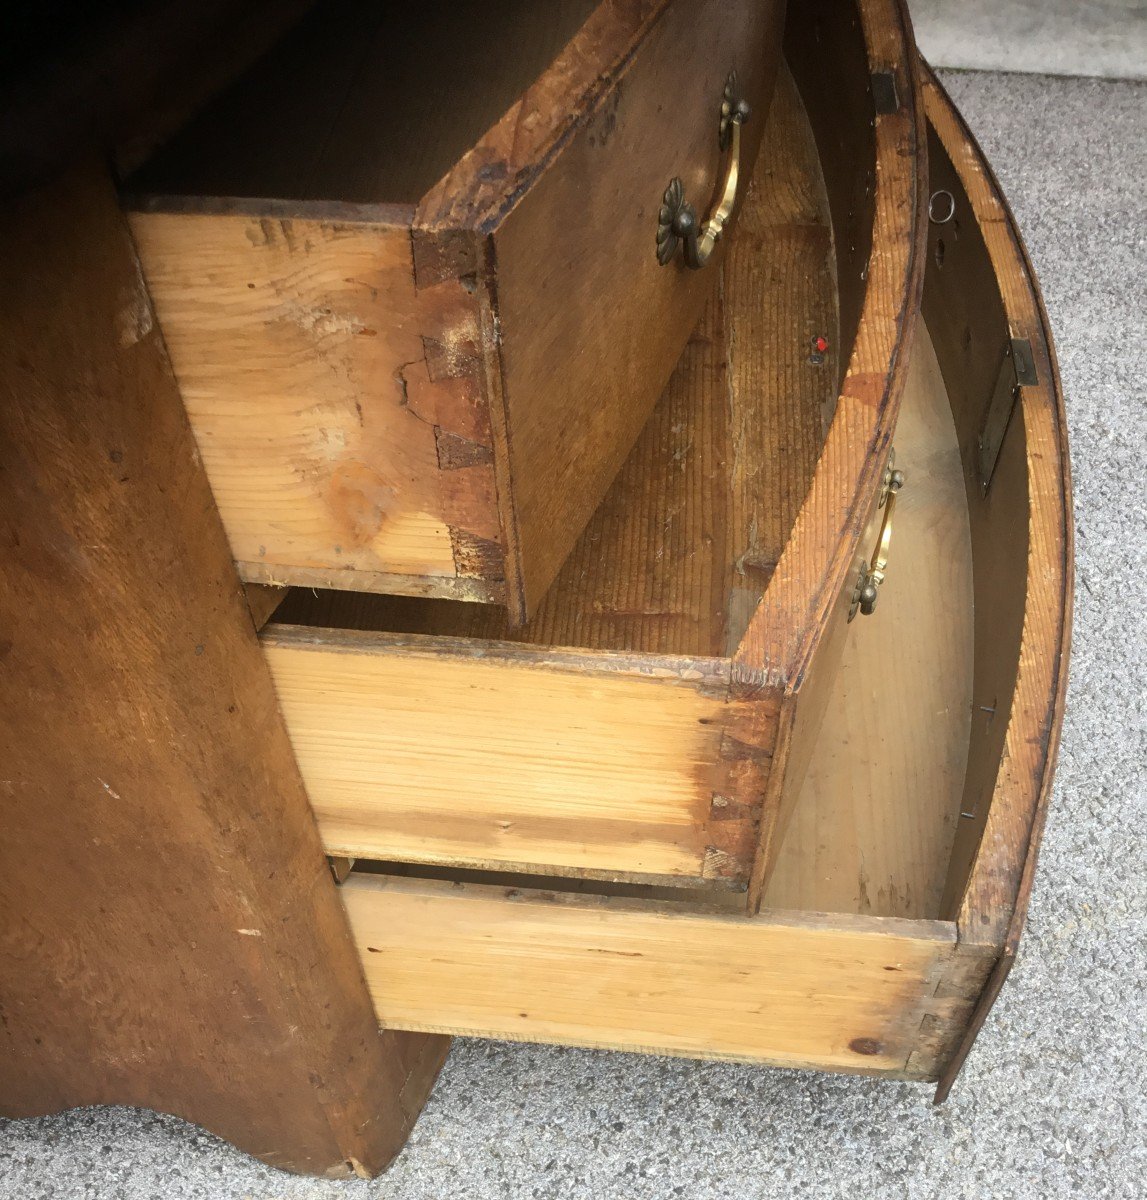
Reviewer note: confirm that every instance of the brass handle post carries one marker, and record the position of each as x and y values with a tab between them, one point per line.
677	218
866	590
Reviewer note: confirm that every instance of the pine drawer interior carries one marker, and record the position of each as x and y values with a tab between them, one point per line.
891	872
652	722
367	256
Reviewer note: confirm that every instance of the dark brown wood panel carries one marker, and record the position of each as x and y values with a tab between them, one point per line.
590	325
172	936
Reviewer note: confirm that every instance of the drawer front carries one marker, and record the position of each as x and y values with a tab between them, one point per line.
590	323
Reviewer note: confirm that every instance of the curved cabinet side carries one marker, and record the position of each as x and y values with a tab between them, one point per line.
1021	666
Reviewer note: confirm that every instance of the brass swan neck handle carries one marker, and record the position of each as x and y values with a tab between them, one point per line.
677	218
866	590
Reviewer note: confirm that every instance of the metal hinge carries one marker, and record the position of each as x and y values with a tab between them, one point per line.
1017	369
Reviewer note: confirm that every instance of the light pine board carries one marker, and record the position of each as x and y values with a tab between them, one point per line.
845	994
439	754
873	827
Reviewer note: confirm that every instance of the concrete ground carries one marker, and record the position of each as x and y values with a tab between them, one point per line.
1053	37
1051	1102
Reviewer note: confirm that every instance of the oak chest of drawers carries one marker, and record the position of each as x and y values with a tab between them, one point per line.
740	787
676	657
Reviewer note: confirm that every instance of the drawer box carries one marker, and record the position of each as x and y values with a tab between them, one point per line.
651	722
414	304
900	887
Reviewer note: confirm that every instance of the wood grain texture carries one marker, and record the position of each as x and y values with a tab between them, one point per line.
440	751
472	305
873	827
337	408
172	937
578	282
798	619
991	885
780	296
841	994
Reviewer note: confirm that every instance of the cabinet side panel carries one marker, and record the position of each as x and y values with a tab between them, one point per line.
171	936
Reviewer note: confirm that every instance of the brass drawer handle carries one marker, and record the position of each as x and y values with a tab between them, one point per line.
866	590
677	218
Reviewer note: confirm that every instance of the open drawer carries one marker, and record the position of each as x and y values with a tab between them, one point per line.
408	273
654	717
903	872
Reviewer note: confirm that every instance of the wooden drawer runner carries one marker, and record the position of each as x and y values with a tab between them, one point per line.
921	903
639	726
407	271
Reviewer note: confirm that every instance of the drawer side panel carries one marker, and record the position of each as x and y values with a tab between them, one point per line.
591	325
485	759
845	994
